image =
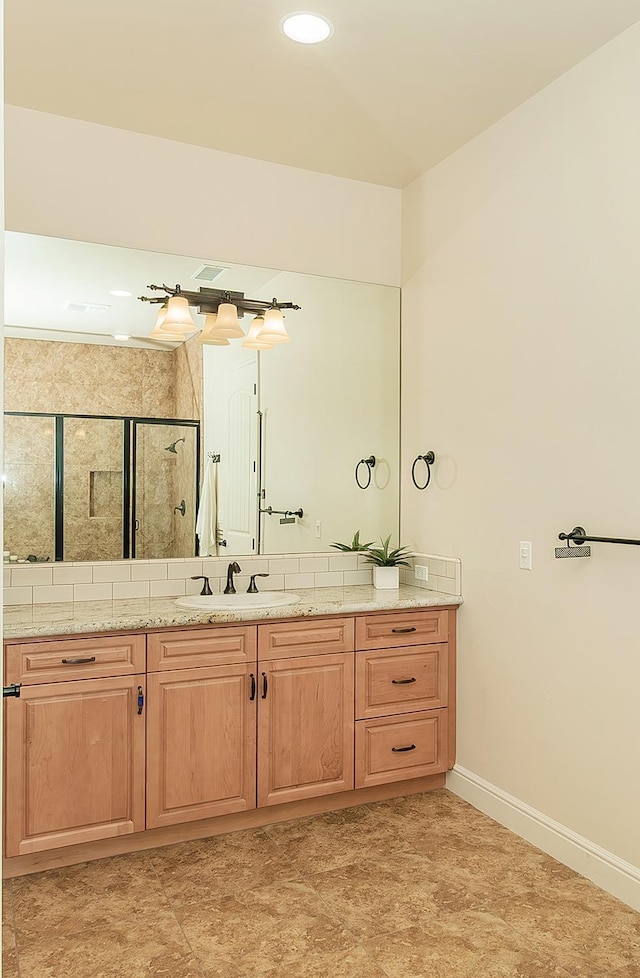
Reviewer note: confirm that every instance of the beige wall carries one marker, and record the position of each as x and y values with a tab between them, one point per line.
72	179
521	356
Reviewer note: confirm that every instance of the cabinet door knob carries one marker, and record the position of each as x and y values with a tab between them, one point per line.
264	686
252	694
401	750
403	682
403	631
79	662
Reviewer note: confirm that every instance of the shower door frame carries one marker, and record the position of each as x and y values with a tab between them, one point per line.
129	423
131	436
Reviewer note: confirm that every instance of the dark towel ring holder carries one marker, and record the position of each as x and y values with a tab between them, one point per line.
369	462
428	459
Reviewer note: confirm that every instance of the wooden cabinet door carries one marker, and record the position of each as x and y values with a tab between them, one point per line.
305	727
201	743
74	763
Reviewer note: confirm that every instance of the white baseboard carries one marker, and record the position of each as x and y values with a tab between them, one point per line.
606	870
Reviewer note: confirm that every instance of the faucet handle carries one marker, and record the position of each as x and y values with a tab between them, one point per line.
206	587
252	589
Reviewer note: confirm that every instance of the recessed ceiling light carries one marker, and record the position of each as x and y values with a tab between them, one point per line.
121	292
121	336
306	28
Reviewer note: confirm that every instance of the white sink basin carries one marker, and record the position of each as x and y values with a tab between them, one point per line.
238	602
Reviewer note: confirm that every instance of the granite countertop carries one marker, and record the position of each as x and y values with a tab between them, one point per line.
83	617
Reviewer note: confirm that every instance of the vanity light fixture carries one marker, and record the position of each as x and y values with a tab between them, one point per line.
222	310
306	28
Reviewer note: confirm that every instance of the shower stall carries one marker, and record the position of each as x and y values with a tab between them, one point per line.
98	487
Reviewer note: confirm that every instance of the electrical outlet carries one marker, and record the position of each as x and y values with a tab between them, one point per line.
526	555
319	529
421	572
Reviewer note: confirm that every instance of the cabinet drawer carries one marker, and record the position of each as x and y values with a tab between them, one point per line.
399	748
395	630
82	658
401	681
295	638
190	648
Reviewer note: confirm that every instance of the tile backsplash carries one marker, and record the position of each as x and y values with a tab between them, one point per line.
444	573
105	580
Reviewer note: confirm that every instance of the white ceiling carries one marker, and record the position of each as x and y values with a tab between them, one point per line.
399	85
42	275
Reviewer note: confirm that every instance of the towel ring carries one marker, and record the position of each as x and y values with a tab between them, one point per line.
369	462
428	459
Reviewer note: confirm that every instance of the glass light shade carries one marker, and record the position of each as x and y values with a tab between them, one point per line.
178	318
166	336
209	335
254	339
162	332
227	322
273	330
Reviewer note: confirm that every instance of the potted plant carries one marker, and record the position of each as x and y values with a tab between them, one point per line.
354	545
386	563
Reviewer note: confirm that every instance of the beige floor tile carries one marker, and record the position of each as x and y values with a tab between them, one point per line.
278	929
8	929
194	871
586	935
10	963
85	897
326	842
386	895
467	945
151	948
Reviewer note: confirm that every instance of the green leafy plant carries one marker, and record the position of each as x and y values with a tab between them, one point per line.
354	545
383	557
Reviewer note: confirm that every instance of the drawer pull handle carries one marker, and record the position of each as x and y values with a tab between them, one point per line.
252	695
403	631
264	686
401	750
403	682
79	662
140	700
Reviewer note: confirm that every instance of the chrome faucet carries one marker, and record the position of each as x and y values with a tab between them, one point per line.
233	568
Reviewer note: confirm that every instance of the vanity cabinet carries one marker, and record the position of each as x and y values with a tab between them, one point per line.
75	743
305	727
121	734
402	696
201	723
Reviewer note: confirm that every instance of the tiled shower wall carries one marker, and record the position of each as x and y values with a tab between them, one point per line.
42	584
76	378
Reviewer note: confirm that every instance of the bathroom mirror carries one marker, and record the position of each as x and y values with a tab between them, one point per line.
107	441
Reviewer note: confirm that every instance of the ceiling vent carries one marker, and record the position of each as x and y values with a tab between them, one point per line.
208	273
87	307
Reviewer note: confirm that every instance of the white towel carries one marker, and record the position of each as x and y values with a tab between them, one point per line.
207	526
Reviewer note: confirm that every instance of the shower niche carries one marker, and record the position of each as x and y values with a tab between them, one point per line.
96	487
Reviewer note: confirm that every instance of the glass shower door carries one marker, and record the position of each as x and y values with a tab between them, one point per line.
93	488
165	477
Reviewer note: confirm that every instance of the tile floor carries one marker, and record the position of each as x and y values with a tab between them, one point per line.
417	887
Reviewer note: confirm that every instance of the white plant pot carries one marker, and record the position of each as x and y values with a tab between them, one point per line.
386	577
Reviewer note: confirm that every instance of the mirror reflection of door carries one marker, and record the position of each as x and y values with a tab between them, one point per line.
232	434
165	480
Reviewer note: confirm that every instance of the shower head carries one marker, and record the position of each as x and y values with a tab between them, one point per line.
172	446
